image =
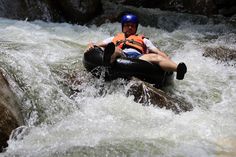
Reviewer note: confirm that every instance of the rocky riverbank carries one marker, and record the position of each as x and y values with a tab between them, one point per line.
84	11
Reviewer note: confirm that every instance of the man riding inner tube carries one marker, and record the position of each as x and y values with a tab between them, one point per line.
129	44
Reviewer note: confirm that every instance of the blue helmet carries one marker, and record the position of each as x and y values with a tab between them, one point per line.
129	18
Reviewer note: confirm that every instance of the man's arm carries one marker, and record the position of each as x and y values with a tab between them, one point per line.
99	44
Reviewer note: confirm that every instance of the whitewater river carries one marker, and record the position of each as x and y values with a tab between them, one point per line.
43	61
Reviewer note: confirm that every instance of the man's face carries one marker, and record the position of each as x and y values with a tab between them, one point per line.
129	29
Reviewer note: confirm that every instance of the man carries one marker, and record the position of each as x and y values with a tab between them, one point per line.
131	45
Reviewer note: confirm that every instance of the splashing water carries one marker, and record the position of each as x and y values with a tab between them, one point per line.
44	60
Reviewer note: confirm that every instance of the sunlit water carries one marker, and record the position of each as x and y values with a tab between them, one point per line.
98	119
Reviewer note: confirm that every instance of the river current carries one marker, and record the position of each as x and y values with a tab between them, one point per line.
43	61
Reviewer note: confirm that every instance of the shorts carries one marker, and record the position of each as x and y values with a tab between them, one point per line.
132	54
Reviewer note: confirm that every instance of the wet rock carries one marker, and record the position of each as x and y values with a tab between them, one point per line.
148	95
30	10
74	11
79	11
220	53
226	7
148	17
10	116
83	11
232	20
204	7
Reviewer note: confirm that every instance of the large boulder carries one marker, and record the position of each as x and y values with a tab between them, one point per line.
10	115
226	7
30	10
204	7
79	11
12	9
148	17
83	11
74	11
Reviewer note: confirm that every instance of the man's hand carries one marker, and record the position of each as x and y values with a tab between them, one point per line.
90	46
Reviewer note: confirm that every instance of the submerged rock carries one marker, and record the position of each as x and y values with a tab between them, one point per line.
148	95
10	115
143	93
220	53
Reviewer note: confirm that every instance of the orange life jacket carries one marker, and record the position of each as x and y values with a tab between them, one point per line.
133	41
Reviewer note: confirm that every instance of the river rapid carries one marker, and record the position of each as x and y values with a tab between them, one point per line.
43	61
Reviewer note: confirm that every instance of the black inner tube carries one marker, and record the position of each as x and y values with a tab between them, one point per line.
126	67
